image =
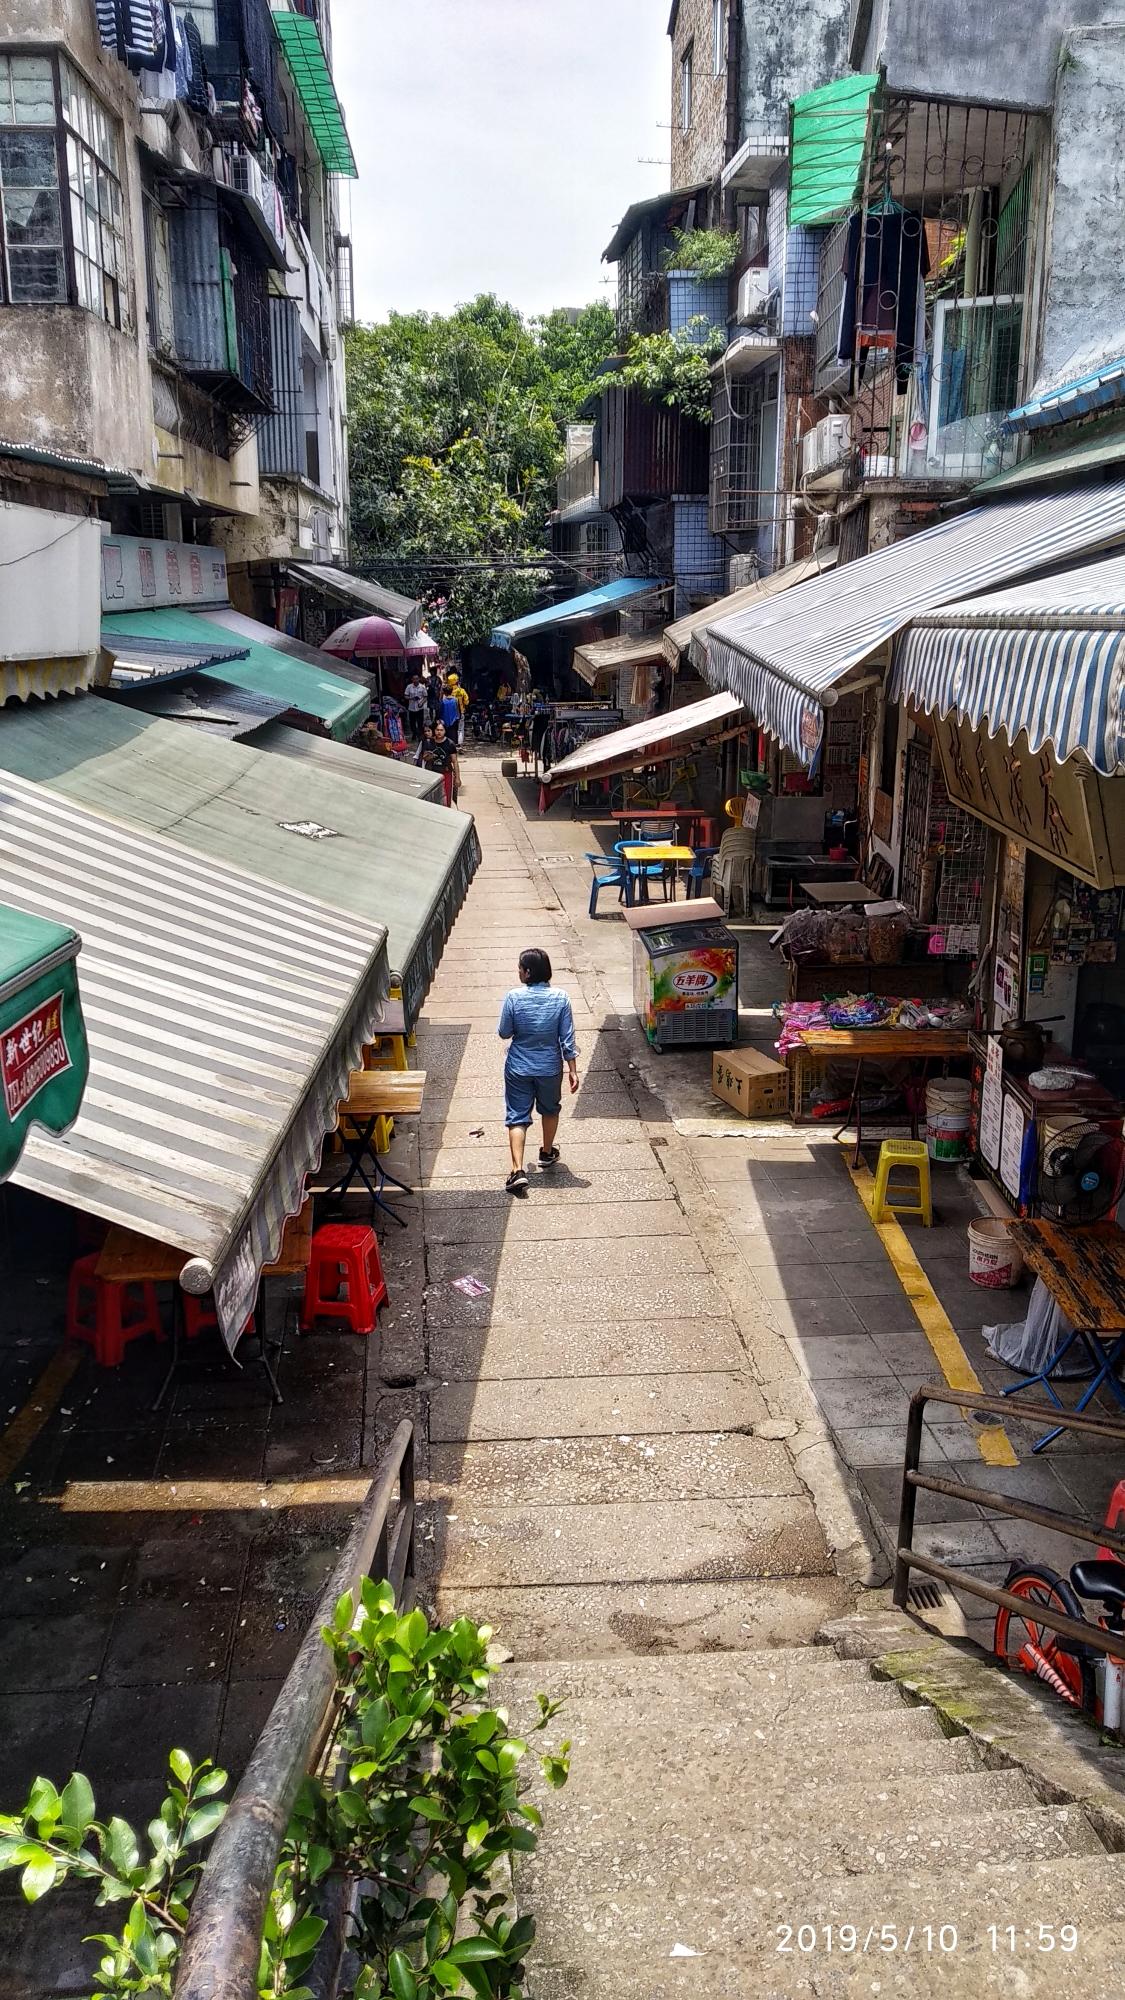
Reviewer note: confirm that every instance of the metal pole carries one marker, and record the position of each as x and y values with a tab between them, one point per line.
909	1494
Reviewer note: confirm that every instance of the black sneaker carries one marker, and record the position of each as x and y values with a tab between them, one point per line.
517	1181
548	1159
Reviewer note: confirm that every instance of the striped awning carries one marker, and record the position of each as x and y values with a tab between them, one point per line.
1045	657
783	658
1099	389
223	1016
646	742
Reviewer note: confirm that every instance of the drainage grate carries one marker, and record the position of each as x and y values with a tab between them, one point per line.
926	1596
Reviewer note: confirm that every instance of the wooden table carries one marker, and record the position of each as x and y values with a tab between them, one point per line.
127	1258
648	855
858	1045
675	815
1082	1265
374	1094
831	893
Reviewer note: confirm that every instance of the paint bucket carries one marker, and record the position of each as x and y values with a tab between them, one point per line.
994	1261
947	1118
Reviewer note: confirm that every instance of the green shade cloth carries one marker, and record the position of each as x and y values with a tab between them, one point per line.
341	706
308	66
44	1060
370	852
828	135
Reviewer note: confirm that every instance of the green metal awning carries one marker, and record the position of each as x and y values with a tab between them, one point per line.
340	705
308	66
370	852
828	136
44	1061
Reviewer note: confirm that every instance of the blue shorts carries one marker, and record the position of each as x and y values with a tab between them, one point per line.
524	1095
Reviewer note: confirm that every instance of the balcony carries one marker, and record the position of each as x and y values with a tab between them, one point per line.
261	201
577	483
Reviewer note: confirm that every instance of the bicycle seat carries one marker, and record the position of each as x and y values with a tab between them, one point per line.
1103	1580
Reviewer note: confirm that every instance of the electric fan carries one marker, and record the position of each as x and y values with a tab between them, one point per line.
1081	1172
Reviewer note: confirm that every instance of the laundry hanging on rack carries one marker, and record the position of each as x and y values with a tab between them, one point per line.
885	256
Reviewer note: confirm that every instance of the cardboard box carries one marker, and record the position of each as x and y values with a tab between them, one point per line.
754	1084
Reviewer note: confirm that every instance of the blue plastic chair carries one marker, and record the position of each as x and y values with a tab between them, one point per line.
655	871
616	878
699	867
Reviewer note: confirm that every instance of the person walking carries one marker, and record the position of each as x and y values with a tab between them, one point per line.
415	705
461	697
536	1020
421	755
442	756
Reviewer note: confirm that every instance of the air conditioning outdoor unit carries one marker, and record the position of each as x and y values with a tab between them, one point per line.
826	445
742	570
753	296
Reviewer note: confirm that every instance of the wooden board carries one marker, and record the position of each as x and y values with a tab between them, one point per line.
383	1093
296	1245
1083	1267
660	850
907	1042
129	1258
838	892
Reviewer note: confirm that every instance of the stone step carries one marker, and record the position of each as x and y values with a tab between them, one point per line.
1085	1890
657	1870
747	1748
599	1681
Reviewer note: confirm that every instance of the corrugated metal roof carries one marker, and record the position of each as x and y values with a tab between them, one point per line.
280	642
138	661
1088	452
783	658
591	604
349	589
322	695
1045	657
363	766
216	707
606	656
689	635
308	66
1098	390
223	1014
627	746
386	859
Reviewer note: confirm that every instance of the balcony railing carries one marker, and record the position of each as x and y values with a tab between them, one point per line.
577	481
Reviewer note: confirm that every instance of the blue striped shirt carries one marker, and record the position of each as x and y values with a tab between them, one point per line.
540	1026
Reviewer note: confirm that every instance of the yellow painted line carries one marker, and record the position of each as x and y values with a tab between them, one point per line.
993	1442
21	1433
207	1496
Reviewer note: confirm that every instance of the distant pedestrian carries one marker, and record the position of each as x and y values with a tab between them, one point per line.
536	1019
434	692
415	705
426	744
449	710
461	697
442	756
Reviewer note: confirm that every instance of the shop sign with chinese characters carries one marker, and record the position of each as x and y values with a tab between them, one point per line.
33	1051
1065	812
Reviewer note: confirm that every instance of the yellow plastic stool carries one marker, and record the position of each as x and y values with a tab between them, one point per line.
910	1153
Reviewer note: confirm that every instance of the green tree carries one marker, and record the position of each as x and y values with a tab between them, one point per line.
456	438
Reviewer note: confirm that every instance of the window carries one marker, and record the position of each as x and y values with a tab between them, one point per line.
203	14
158	269
96	218
718	35
685	90
34	264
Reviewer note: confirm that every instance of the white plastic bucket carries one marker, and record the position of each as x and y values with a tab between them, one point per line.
947	1118
994	1260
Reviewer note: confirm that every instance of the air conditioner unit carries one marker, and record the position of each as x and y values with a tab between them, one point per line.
246	176
742	570
826	445
753	296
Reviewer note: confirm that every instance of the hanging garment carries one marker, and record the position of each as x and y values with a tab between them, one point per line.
197	82
132	31
885	255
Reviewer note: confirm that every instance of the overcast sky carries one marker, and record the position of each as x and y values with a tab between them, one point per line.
497	143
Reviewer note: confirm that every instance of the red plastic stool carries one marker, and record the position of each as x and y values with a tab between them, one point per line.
345	1278
200	1315
107	1315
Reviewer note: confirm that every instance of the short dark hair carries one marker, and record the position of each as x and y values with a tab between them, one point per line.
536	965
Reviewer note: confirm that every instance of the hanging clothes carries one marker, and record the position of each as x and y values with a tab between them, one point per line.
885	256
133	31
197	82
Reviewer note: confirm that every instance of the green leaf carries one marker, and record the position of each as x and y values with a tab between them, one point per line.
210	1783
77	1802
43	1803
342	1616
404	1986
318	1860
304	1936
120	1846
201	1823
428	1808
475	1834
38	1877
469	1951
179	1764
446	1973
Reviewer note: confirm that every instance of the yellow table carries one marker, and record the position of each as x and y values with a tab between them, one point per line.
374	1094
650	854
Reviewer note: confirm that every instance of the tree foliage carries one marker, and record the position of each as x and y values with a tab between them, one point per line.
673	368
457	425
710	253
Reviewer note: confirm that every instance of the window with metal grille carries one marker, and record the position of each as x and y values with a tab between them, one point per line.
685	89
743	442
96	211
34	250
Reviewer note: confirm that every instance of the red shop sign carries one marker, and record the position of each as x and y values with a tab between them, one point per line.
33	1051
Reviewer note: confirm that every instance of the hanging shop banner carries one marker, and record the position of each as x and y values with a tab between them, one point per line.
44	1059
1065	812
146	575
992	1104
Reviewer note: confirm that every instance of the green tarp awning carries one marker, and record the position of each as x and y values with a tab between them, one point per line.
341	706
308	66
827	139
44	1060
391	860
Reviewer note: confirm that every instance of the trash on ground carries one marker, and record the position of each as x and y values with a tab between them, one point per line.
472	1287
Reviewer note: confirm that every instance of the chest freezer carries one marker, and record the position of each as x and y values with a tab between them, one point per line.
685	983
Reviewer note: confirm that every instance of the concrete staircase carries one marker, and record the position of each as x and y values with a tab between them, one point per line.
716	1797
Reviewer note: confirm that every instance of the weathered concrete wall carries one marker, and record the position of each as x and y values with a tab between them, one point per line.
1083	322
788	47
985	51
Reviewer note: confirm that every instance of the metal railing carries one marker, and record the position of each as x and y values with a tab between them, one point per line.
915	1482
224	1937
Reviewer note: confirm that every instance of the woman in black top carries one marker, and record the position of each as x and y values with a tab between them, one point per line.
441	755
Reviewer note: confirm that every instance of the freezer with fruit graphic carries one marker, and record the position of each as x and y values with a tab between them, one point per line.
685	984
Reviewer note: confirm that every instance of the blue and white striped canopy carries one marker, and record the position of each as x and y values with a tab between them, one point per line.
1099	390
784	656
1045	657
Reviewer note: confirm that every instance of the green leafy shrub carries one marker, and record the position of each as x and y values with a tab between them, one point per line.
419	1800
710	253
673	368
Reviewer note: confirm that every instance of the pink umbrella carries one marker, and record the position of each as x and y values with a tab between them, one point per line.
367	638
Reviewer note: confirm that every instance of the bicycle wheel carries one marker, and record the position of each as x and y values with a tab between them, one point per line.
1023	1643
